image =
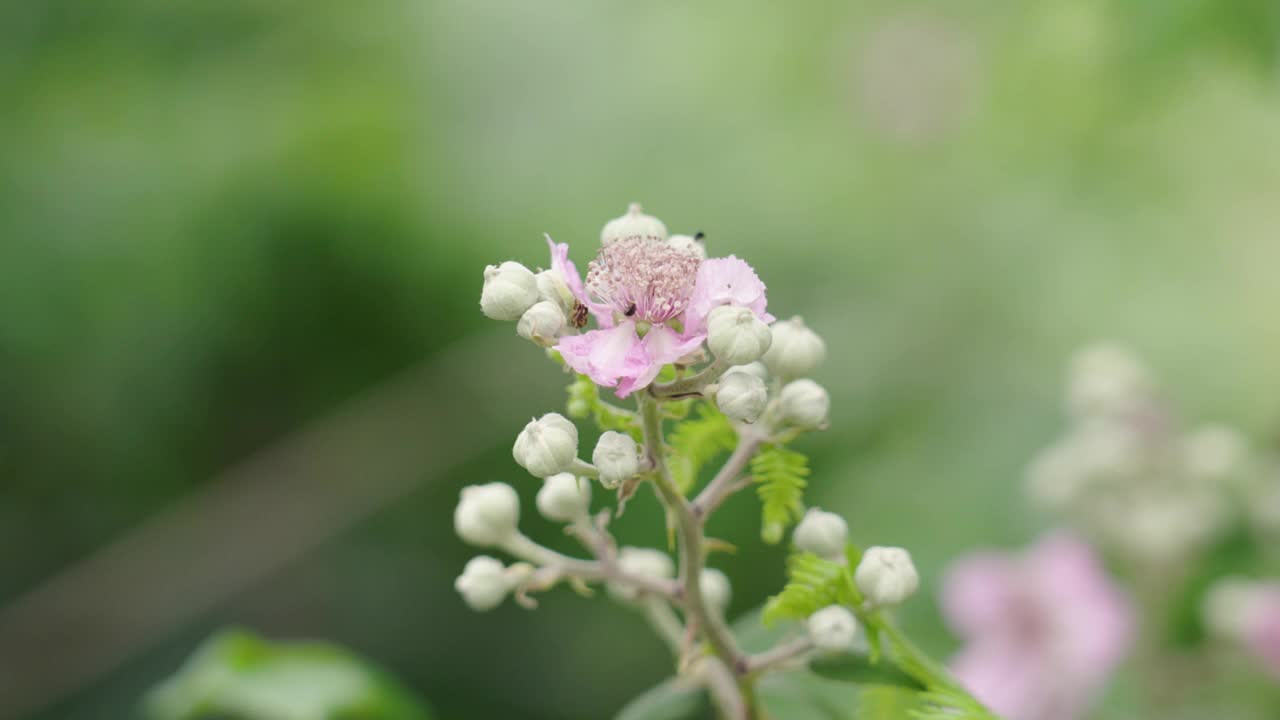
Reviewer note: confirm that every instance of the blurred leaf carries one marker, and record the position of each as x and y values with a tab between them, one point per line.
859	670
780	475
235	673
585	402
694	443
672	700
1236	554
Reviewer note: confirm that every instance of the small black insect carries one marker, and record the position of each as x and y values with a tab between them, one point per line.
631	310
579	315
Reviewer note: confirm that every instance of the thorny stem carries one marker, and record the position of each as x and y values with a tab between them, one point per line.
563	566
690	386
689	530
665	623
779	655
726	482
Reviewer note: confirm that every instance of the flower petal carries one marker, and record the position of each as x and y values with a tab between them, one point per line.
564	267
606	356
978	593
662	346
725	281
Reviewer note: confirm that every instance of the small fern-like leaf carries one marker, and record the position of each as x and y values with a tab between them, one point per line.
780	475
812	583
696	442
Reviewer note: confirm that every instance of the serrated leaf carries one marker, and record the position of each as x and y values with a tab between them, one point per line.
780	476
812	583
696	442
235	673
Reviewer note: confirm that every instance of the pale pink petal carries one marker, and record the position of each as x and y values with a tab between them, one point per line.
1093	619
606	356
1004	678
725	281
662	346
1044	628
1262	631
979	592
564	267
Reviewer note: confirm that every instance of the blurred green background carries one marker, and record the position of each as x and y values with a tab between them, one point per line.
243	373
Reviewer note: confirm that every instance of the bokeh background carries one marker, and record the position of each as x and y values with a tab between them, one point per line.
243	373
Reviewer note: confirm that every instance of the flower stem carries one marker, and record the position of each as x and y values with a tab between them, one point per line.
689	531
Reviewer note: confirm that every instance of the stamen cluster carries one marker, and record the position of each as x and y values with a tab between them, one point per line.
643	278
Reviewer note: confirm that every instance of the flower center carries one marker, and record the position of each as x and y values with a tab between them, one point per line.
643	279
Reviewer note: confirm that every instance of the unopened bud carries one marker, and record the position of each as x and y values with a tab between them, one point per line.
822	533
716	589
552	288
886	576
542	323
833	629
547	446
804	403
487	514
742	397
617	457
796	350
483	583
509	290
1214	452
564	497
689	244
756	368
640	561
634	224
736	336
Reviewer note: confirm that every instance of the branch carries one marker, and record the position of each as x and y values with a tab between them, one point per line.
779	655
689	529
726	482
556	567
691	386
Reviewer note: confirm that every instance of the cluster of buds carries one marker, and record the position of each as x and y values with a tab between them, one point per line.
1127	475
673	327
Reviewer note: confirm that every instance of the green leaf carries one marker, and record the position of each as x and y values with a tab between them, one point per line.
585	402
812	584
672	700
696	442
235	673
887	702
780	477
859	670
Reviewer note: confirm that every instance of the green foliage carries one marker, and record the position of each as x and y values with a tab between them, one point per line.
672	700
237	674
949	704
1235	554
887	702
812	584
694	443
780	477
585	402
857	669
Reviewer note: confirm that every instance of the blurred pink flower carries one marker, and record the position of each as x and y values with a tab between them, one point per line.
1044	629
635	281
1261	626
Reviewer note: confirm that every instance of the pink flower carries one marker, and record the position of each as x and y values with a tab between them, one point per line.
651	299
1044	629
1260	624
